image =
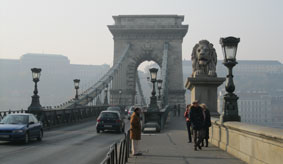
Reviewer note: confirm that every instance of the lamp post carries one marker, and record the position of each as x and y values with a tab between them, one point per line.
106	96
159	85
153	99
77	83
35	104
230	105
120	93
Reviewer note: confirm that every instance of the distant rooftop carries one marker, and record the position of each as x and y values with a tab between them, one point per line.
8	61
40	55
44	58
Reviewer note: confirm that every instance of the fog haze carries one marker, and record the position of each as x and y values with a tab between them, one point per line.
78	29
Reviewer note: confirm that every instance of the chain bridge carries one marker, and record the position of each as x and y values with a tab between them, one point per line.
139	38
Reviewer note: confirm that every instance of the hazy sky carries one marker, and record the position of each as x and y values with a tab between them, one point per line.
78	28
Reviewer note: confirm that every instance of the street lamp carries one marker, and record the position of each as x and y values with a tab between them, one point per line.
153	99
120	93
230	105
159	85
77	83
106	96
35	104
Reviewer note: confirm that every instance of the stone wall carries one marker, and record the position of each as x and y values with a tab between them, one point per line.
250	143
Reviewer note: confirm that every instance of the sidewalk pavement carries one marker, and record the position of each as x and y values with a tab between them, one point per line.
171	147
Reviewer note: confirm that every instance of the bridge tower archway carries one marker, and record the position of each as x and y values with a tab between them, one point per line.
147	36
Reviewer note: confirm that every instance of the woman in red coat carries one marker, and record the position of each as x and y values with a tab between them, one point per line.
135	131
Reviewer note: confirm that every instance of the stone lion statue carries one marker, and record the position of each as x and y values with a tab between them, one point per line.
204	59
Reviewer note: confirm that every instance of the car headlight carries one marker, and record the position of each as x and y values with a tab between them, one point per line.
18	131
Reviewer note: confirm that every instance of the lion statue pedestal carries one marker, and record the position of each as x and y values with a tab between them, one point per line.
204	81
204	89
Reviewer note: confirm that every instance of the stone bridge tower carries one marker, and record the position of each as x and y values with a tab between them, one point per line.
147	35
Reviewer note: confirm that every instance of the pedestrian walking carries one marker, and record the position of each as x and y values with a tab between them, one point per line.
135	131
188	122
197	122
207	124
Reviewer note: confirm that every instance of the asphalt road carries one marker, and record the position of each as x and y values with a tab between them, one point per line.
77	144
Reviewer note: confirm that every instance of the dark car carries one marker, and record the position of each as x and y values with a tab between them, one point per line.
110	120
20	127
118	109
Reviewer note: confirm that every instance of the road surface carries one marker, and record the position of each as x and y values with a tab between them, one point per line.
77	144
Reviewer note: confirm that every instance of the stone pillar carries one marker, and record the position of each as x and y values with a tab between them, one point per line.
204	89
147	35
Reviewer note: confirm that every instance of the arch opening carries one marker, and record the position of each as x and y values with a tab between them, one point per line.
144	78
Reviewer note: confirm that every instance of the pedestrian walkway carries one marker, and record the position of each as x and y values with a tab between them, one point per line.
171	147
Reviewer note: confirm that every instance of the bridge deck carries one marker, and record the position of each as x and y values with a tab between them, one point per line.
75	144
171	147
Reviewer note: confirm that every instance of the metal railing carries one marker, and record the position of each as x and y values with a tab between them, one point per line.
119	155
5	113
53	118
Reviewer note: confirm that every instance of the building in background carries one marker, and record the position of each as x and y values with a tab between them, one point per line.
258	107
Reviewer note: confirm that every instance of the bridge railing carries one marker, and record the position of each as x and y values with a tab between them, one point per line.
119	155
53	118
250	143
4	113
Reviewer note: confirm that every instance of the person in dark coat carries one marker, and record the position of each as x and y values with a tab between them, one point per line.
135	131
197	122
207	124
188	122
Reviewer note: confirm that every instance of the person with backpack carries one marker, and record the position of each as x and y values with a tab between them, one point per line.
197	121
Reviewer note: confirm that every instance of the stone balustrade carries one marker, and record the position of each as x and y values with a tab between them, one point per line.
250	143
